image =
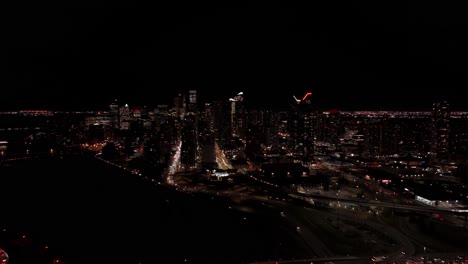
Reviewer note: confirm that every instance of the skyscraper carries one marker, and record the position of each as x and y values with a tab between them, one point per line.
222	121
302	126
440	130
114	114
192	101
237	115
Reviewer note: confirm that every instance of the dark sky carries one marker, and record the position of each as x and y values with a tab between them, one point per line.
351	56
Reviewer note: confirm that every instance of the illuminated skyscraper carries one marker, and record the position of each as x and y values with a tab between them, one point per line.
192	101
440	130
192	96
237	115
302	127
114	114
125	117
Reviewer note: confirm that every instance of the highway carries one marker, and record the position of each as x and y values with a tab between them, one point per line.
381	204
412	242
346	259
306	226
364	202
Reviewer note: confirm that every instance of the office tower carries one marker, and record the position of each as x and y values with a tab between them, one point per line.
189	140
440	130
459	135
237	115
329	127
179	105
125	117
192	101
115	114
302	126
208	116
222	121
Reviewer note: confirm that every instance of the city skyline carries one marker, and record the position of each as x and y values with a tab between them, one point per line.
353	56
204	182
251	101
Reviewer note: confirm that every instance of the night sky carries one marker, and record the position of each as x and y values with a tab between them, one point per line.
351	56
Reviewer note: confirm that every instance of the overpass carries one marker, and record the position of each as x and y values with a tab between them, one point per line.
349	259
303	196
460	211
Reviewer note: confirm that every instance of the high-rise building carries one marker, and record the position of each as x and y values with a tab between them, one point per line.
459	135
189	140
160	115
302	126
237	115
115	114
330	127
125	117
208	116
179	105
440	130
222	121
192	101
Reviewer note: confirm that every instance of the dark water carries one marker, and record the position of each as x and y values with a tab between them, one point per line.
93	212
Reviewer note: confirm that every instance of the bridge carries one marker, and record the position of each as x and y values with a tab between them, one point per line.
460	211
302	196
348	259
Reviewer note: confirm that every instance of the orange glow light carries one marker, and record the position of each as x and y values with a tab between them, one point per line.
306	95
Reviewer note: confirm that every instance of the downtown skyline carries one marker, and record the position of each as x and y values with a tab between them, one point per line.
267	101
353	56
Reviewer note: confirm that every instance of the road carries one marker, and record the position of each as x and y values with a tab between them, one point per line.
221	159
310	234
411	239
419	208
342	260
